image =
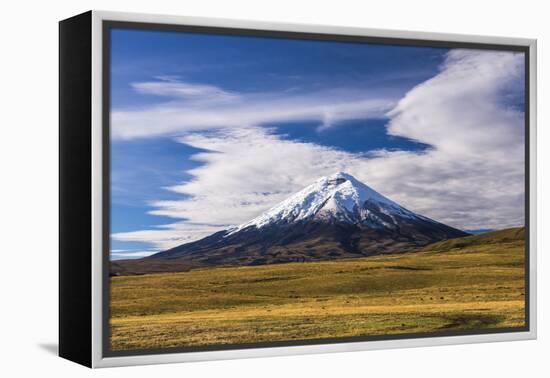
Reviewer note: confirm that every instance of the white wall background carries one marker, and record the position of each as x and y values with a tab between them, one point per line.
28	189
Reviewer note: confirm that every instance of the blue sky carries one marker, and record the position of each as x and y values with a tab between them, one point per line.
183	104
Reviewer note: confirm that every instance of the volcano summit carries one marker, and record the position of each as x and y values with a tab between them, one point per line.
335	217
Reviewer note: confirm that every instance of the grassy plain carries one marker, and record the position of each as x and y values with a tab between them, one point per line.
476	282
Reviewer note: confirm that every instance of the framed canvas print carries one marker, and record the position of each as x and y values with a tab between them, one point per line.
236	189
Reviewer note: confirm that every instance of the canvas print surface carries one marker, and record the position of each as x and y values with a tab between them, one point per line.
278	191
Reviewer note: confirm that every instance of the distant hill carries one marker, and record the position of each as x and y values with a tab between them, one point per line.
489	241
495	237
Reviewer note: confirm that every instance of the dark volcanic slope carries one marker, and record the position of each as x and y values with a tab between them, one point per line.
336	217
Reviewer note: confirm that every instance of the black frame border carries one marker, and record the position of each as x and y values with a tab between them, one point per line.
75	194
108	25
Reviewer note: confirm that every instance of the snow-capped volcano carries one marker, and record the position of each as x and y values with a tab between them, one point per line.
336	198
335	217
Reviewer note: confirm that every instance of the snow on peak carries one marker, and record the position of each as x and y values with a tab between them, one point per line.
339	196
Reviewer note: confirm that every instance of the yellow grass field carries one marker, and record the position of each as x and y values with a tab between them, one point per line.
474	282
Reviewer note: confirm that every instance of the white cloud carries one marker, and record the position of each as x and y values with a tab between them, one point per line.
474	176
202	107
250	170
131	254
186	91
471	177
465	99
170	235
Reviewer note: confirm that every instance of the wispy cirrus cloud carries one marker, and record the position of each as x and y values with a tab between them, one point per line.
131	254
471	177
172	87
169	235
195	107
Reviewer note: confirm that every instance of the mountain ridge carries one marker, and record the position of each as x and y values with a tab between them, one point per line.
334	196
504	236
335	217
